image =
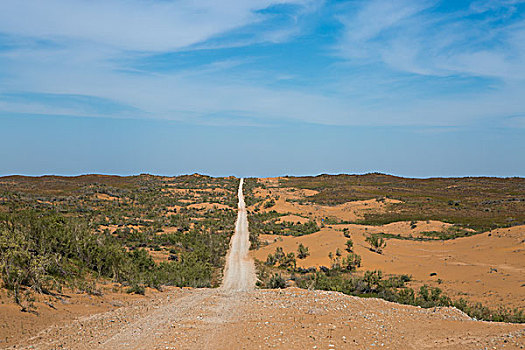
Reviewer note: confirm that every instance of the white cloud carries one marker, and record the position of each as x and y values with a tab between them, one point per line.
371	20
209	94
404	36
481	6
141	25
76	47
91	39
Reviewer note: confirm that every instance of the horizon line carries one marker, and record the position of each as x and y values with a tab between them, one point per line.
263	177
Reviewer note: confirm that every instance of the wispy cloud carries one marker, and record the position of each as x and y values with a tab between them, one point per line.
414	36
132	25
397	62
80	48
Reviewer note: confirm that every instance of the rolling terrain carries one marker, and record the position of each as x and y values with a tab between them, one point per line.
478	262
238	315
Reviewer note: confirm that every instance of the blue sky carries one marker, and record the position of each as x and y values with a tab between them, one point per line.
409	87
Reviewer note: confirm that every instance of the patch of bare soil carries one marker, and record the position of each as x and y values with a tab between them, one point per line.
292	218
290	201
171	229
412	228
350	211
208	206
158	256
281	319
113	228
16	326
106	197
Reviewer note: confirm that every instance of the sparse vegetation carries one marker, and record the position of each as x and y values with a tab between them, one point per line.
393	288
266	223
479	203
248	187
450	233
341	277
270	203
471	205
70	232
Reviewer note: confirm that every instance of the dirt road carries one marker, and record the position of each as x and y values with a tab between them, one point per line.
239	273
237	316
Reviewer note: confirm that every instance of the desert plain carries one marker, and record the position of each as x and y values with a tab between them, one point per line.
464	237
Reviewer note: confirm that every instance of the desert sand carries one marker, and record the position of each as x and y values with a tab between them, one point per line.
488	267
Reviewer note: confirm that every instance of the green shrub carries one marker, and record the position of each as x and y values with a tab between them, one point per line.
302	251
288	261
277	282
270	260
279	254
377	243
351	262
270	203
136	289
349	245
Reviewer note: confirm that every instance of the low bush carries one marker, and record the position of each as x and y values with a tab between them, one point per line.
349	245
377	243
302	251
276	282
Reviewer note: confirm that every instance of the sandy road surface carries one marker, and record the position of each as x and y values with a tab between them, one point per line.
237	316
239	273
